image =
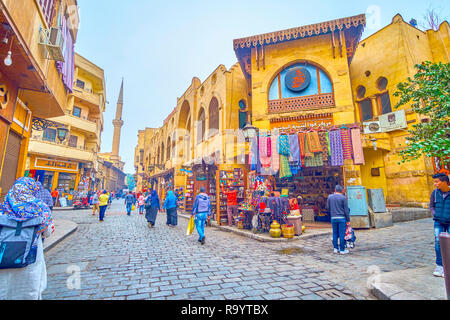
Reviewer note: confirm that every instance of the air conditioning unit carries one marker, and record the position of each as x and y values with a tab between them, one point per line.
53	40
372	127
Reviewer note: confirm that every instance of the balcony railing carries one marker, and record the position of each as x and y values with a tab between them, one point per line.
65	143
86	95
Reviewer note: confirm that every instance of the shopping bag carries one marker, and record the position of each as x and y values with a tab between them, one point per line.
348	233
191	226
133	208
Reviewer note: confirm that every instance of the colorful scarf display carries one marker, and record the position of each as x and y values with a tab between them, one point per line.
358	153
315	159
283	145
301	140
275	156
314	142
337	156
21	204
324	144
346	144
264	154
294	157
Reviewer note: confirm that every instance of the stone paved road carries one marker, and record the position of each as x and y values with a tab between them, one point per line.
122	258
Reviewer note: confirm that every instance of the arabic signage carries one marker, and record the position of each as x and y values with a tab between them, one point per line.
298	79
55	165
393	121
318	120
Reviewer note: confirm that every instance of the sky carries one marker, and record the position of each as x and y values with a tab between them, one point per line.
159	46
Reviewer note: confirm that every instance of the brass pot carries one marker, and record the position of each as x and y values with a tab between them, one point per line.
275	230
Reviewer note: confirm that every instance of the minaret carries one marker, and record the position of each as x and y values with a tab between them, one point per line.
118	123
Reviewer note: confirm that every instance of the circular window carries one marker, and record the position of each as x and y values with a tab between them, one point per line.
360	92
382	83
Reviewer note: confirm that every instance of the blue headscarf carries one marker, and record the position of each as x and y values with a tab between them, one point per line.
21	204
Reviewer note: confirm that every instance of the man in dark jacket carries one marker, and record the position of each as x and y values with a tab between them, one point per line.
440	208
337	204
202	209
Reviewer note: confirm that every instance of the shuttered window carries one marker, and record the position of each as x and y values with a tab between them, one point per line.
47	7
366	109
10	164
385	103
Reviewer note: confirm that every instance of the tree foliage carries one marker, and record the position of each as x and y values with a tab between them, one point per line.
429	95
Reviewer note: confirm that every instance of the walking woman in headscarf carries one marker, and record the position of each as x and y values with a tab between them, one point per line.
22	204
170	205
152	206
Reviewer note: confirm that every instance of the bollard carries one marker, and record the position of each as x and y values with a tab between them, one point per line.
444	240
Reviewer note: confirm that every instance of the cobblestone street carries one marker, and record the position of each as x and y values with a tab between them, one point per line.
122	258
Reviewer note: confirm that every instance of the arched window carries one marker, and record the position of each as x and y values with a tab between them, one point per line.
201	121
298	87
162	153
213	117
243	112
169	149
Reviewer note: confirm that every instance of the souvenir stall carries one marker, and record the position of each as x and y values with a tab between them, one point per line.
201	175
225	180
306	164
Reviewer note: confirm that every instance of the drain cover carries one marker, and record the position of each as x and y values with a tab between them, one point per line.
333	294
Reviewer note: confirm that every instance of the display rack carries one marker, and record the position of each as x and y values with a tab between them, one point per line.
225	179
189	194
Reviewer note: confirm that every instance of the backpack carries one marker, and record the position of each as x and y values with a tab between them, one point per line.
17	242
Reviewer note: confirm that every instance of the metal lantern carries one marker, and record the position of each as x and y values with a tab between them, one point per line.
249	131
62	133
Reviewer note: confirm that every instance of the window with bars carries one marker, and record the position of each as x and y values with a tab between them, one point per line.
47	7
49	134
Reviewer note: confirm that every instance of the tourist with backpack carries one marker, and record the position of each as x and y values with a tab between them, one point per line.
152	206
440	208
24	221
202	210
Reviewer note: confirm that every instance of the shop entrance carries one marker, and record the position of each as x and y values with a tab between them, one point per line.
312	186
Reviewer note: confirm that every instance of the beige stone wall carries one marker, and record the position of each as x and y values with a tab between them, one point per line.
392	53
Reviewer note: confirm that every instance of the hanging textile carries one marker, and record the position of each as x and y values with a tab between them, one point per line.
347	148
294	157
253	150
301	140
284	151
275	156
358	152
314	142
337	156
263	151
324	145
283	145
312	159
285	169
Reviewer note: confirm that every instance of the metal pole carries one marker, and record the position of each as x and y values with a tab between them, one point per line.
444	240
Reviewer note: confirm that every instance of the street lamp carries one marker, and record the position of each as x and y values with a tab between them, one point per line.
62	133
249	131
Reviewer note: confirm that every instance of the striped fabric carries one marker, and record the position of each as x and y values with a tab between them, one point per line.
301	140
347	147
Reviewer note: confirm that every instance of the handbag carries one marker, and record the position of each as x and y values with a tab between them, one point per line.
190	227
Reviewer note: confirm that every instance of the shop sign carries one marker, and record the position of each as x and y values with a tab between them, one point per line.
55	165
393	121
372	127
325	121
297	79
